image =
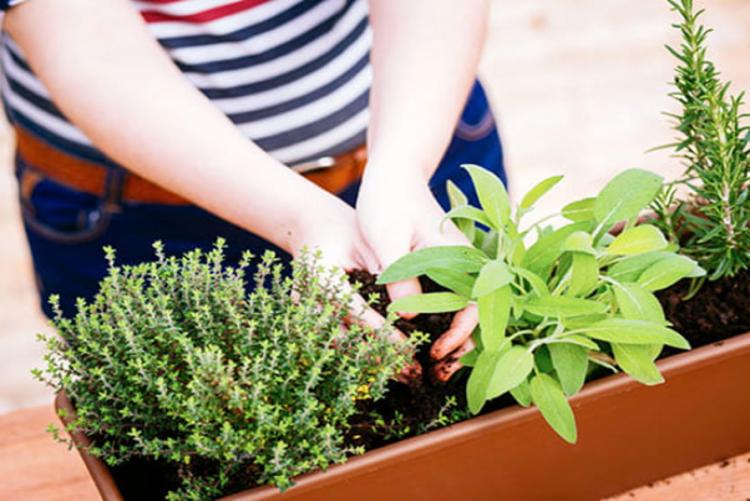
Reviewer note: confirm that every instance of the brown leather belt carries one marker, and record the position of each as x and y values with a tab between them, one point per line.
333	174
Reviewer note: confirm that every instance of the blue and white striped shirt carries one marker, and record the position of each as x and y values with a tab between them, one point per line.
293	75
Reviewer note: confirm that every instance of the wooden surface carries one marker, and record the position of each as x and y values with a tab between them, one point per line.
34	467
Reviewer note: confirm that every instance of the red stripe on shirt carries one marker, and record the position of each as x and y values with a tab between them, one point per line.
202	17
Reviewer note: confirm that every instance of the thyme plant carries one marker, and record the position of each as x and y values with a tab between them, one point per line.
174	361
713	143
576	297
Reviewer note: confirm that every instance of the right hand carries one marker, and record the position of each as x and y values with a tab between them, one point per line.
333	230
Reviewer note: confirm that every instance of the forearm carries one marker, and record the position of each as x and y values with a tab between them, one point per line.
425	56
109	77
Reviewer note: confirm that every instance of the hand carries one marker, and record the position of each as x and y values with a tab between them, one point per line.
332	229
398	214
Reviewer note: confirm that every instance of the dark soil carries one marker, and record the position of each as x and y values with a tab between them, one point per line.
720	310
421	401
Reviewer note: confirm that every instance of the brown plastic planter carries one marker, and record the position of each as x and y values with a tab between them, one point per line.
629	435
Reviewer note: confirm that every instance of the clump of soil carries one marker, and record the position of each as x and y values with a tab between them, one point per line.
720	310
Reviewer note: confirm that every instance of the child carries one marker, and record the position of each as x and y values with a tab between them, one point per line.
184	120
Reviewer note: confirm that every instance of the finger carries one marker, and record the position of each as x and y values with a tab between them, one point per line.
462	326
445	369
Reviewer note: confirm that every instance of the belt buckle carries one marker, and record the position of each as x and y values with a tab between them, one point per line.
313	165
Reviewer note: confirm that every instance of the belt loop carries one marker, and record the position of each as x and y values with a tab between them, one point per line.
113	188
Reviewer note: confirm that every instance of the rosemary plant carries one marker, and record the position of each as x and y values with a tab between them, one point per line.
713	143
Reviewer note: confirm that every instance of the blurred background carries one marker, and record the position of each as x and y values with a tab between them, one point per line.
578	87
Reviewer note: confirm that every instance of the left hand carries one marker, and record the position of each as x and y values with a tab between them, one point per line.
398	214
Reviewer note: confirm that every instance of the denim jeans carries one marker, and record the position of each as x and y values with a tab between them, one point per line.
67	229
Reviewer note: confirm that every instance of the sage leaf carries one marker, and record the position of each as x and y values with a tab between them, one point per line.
630	268
431	302
538	285
456	197
637	303
584	275
579	241
494	312
666	272
538	191
479	380
492	195
636	361
468	212
549	398
580	341
522	394
638	240
458	282
542	254
563	306
469	359
452	257
580	210
571	363
511	369
626	195
493	275
626	331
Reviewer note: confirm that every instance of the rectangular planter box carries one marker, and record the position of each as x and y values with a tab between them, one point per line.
629	435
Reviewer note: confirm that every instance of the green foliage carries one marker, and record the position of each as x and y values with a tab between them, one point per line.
713	143
576	295
173	360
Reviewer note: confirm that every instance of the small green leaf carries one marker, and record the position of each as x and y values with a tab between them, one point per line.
535	281
522	394
580	210
580	341
469	359
563	306
626	195
625	331
479	380
492	195
580	241
638	240
511	370
630	268
432	302
493	275
571	363
494	312
666	272
542	254
453	257
457	198
470	213
636	303
458	282
636	360
550	399
543	359
538	191
584	274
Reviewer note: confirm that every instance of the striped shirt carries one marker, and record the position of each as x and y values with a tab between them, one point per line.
292	75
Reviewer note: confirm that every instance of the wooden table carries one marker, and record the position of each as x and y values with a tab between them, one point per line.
34	467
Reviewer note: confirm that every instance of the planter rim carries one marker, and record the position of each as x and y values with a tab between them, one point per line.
413	447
